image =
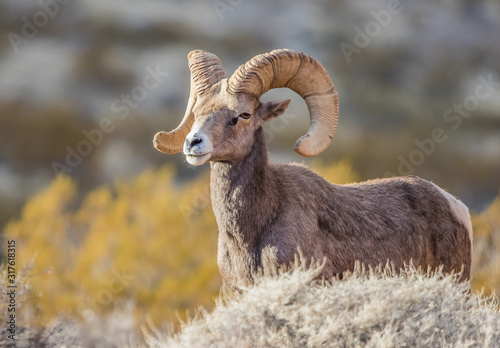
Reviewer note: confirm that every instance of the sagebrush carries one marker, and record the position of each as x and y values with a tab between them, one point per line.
365	309
380	308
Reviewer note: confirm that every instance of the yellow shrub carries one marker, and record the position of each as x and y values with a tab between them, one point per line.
129	243
340	173
486	253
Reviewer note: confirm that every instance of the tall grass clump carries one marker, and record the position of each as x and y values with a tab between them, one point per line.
365	309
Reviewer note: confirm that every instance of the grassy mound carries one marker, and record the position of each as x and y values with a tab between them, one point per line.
366	309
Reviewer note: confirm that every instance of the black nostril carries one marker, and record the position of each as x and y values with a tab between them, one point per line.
195	141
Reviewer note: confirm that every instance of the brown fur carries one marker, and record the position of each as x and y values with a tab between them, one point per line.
266	212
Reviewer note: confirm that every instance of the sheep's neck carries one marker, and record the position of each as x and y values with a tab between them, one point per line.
242	197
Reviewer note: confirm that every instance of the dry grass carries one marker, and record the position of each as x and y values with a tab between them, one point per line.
366	309
27	333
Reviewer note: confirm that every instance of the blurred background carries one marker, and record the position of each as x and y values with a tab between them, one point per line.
84	86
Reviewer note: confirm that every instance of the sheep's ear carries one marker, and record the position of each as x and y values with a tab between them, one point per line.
271	110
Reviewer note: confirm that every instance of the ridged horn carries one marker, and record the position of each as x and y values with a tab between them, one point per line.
206	70
302	74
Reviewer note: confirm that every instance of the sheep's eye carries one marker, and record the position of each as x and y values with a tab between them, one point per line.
233	122
245	115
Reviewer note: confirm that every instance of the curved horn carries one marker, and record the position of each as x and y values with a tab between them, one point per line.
304	75
206	70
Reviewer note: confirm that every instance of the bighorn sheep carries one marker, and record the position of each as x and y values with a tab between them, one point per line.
267	211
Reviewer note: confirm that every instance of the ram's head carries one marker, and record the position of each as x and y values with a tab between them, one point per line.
223	114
